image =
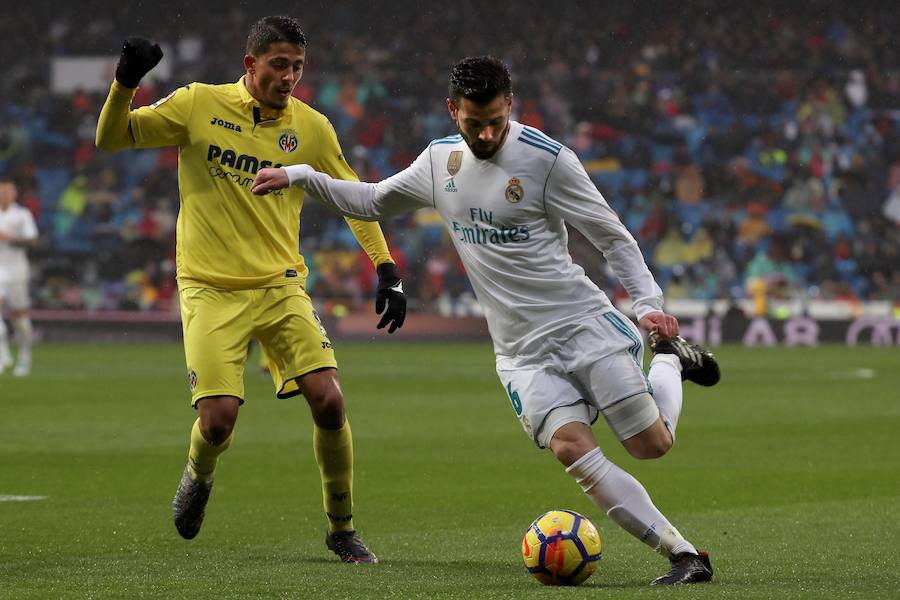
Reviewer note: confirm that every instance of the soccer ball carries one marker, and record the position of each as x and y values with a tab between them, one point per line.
561	547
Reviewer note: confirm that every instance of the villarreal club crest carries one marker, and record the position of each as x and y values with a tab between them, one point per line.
288	141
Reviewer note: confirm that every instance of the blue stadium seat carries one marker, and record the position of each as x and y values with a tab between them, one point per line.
51	183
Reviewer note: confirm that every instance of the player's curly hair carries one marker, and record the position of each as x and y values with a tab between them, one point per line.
274	29
479	79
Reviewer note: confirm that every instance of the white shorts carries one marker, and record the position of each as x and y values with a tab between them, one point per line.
14	294
593	367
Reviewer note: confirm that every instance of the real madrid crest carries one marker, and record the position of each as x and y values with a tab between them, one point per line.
288	141
454	163
514	191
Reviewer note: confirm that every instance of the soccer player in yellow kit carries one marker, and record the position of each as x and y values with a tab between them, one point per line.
239	270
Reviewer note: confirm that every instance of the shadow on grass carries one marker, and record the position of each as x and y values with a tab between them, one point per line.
466	568
436	565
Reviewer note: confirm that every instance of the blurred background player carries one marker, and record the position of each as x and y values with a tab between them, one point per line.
565	355
240	275
17	233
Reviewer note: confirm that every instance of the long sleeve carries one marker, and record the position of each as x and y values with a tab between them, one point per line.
573	197
163	123
406	191
113	130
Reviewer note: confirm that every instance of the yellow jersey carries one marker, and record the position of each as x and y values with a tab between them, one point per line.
226	237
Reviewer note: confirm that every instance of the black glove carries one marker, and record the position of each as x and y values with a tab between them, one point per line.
138	57
389	297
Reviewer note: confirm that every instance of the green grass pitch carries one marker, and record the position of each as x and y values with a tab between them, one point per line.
788	472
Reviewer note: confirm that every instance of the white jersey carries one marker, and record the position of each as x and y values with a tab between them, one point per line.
16	221
506	216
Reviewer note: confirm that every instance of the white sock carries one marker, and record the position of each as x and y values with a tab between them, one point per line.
5	356
627	503
665	379
23	340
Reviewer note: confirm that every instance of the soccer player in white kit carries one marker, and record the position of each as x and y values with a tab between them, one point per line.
564	353
17	232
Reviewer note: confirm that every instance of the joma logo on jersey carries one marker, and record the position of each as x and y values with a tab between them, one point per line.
225	124
242	162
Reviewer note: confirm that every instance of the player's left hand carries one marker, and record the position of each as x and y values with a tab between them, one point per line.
663	324
269	179
138	57
389	297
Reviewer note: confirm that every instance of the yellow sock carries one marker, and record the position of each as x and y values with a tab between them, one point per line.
203	456
334	453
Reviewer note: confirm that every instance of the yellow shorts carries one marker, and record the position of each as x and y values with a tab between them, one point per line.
219	324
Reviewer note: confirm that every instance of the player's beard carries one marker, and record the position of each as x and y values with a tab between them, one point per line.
484	152
276	103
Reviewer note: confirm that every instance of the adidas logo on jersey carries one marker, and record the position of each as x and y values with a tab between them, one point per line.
451	187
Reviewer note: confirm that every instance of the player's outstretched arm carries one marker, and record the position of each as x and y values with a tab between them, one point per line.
353	199
137	58
410	189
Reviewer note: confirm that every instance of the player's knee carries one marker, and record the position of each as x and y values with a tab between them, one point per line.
218	415
656	450
652	442
569	450
217	432
568	453
571	441
327	408
217	428
651	447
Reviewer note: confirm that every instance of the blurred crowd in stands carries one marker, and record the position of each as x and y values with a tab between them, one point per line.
744	145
